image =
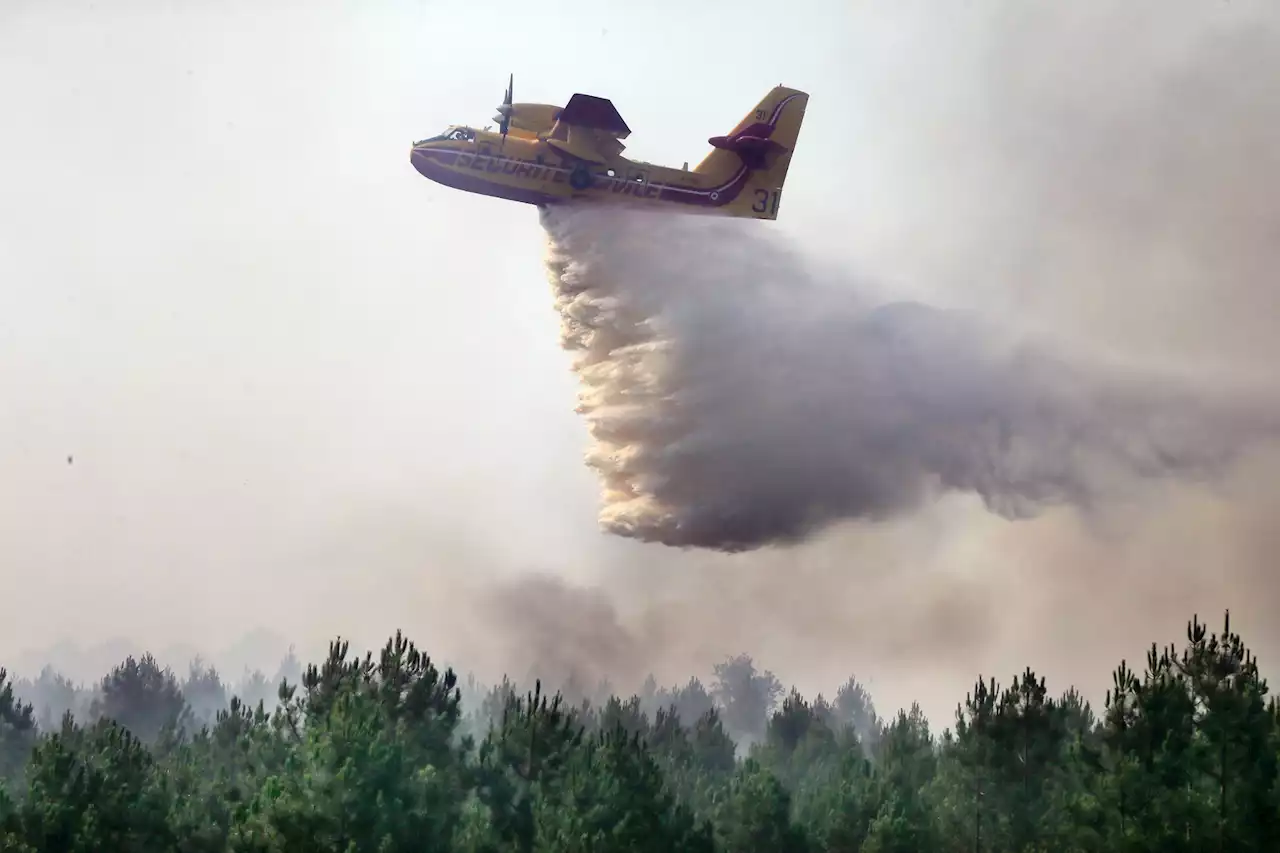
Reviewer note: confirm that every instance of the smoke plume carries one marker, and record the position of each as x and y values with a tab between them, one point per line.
737	399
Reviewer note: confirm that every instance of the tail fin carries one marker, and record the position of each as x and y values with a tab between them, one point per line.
763	142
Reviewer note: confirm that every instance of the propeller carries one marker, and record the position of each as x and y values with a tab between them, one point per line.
503	118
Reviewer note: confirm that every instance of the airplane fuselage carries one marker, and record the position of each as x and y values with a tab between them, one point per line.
546	155
528	170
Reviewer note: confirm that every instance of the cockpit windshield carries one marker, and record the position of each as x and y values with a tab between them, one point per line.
463	134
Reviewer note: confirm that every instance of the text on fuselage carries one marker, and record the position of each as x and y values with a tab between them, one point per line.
535	171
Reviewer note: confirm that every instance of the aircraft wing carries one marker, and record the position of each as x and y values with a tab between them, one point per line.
599	114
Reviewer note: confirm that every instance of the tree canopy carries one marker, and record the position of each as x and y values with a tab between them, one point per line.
387	752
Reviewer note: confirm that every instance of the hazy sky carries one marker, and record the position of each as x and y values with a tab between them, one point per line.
304	388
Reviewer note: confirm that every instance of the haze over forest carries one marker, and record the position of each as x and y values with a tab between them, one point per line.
263	385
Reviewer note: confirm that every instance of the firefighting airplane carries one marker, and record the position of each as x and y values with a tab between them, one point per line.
543	154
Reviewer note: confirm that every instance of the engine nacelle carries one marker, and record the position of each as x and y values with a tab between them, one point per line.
535	118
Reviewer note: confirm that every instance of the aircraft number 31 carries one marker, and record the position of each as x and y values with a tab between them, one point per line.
766	201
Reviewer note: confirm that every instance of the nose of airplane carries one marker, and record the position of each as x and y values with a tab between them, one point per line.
420	157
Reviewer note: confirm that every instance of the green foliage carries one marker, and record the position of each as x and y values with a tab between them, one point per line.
144	698
746	696
754	815
204	692
94	789
376	754
17	730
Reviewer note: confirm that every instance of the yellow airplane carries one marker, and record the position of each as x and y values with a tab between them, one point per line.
543	154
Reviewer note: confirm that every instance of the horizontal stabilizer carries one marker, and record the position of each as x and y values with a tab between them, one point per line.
752	145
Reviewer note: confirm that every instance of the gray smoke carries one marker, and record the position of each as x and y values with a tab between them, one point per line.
737	399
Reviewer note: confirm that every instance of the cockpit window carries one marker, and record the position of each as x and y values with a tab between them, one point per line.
463	134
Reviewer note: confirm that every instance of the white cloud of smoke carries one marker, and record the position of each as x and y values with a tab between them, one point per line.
736	399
